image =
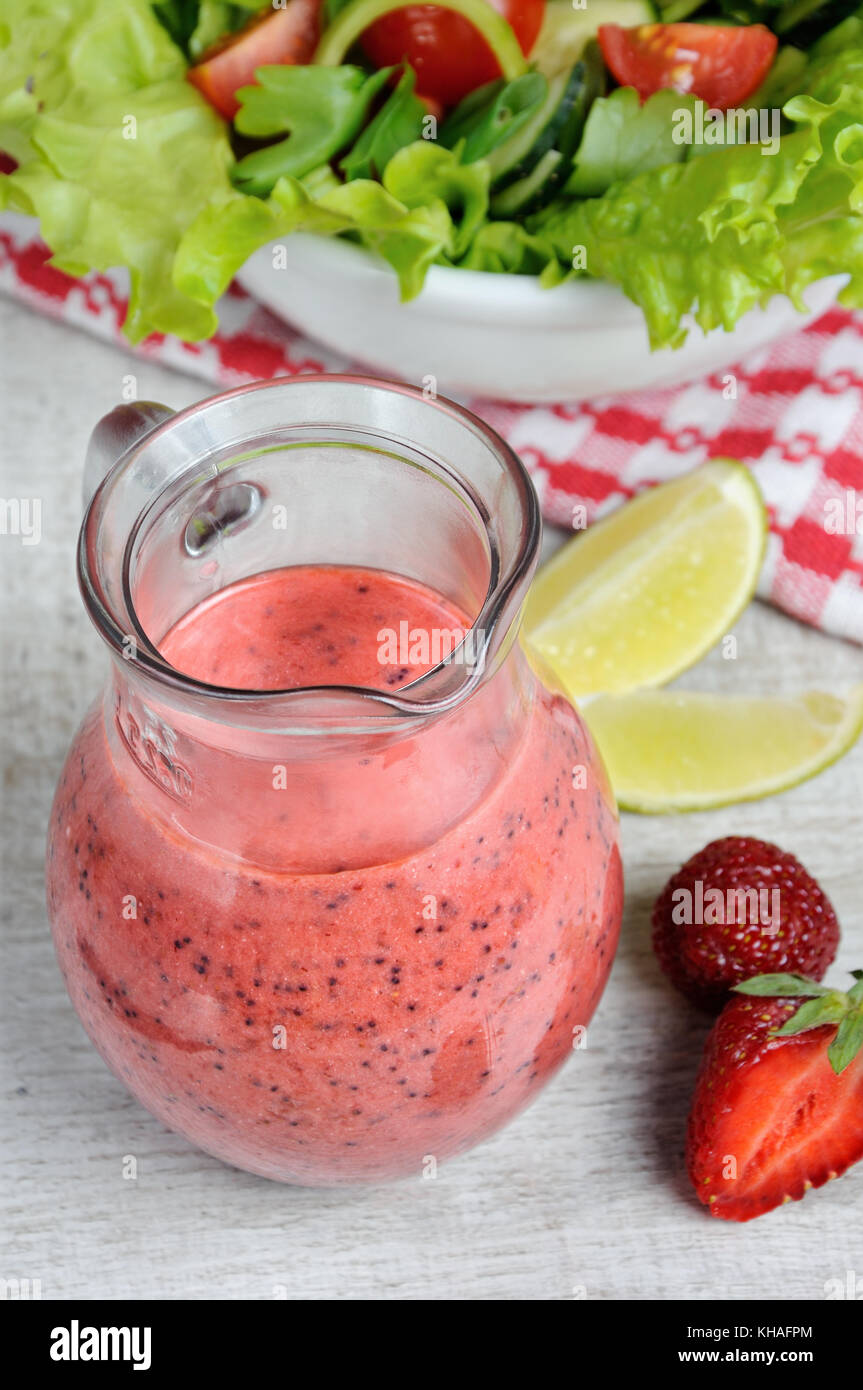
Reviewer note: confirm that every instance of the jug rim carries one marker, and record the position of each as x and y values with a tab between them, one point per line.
498	612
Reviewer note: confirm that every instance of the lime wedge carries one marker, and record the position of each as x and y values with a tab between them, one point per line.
669	750
644	593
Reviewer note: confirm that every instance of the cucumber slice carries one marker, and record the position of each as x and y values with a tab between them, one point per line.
533	190
516	156
556	125
565	30
492	114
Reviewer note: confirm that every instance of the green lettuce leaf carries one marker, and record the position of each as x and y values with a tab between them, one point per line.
623	137
398	123
783	81
423	175
718	235
222	238
117	153
427	209
323	109
505	247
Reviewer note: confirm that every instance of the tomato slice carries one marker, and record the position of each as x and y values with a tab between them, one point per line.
287	35
721	64
431	104
445	51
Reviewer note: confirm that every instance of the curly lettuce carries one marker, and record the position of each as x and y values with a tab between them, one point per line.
717	235
409	239
125	164
116	152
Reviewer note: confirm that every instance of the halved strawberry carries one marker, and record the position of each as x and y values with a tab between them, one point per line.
778	1105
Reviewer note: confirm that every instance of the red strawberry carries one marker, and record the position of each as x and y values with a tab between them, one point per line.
778	1105
739	907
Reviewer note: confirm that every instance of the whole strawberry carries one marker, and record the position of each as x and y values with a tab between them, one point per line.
738	908
778	1105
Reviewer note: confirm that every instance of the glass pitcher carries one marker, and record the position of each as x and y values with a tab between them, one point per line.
336	931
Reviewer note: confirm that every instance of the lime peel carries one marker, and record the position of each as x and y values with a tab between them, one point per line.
644	593
669	751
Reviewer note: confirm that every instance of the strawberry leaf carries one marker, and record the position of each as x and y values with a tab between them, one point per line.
830	1008
855	994
783	986
848	1041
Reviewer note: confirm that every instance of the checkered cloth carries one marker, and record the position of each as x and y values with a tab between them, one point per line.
796	417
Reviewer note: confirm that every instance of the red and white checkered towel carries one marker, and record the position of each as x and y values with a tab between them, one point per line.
797	420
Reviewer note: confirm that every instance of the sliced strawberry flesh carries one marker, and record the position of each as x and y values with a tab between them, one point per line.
770	1116
788	1122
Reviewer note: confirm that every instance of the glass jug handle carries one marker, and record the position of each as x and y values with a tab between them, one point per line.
115	433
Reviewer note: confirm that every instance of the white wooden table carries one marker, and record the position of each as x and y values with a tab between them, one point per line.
583	1196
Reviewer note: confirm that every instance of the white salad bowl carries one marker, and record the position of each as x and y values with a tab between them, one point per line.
504	336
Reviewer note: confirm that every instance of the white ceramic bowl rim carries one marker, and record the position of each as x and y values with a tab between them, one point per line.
476	294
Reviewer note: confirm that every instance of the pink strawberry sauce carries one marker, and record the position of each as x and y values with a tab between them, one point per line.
417	1004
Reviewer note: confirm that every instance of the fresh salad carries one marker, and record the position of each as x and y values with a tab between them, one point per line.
703	155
